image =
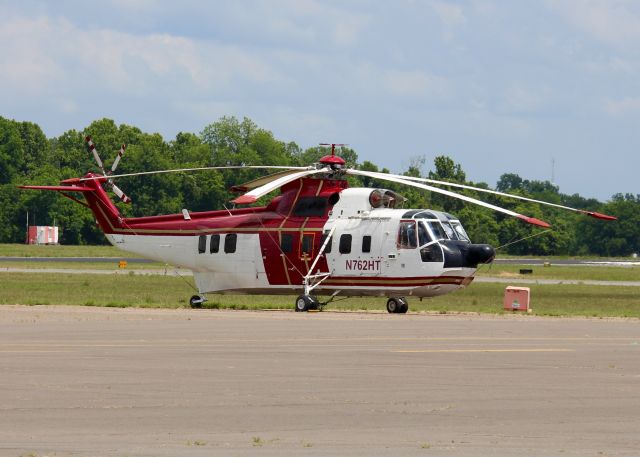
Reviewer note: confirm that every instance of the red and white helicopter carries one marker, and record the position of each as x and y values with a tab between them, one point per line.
318	236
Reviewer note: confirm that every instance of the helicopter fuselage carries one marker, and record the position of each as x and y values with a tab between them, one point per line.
374	248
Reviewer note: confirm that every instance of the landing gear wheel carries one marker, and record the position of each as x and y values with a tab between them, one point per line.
397	305
305	303
196	301
392	305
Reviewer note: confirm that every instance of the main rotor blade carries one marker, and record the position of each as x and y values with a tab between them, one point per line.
258	192
518	197
403	180
176	170
261	181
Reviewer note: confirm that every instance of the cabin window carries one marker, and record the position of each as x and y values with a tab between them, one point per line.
327	248
230	242
366	243
286	242
215	244
407	237
345	244
306	248
202	244
310	207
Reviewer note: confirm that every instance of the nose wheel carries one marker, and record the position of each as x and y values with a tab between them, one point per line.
397	305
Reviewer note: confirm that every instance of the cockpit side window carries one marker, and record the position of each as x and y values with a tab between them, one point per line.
423	234
437	230
407	235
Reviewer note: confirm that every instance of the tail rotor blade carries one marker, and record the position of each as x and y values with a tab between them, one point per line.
92	148
118	157
116	190
121	195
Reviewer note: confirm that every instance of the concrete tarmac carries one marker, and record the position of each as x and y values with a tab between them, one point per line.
80	381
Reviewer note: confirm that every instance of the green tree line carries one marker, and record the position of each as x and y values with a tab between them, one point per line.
27	156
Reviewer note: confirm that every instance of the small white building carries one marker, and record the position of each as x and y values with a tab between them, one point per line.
42	234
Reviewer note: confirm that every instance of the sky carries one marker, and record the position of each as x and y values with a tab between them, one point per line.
544	89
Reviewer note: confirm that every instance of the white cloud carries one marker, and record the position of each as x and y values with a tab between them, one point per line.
317	20
625	106
615	22
615	65
414	84
523	99
45	54
451	15
292	124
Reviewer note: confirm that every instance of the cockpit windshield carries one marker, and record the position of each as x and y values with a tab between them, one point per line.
451	234
462	234
431	227
437	230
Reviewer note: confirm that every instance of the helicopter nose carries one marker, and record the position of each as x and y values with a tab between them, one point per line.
479	253
458	254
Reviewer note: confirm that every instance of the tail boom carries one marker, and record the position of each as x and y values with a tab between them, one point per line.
106	213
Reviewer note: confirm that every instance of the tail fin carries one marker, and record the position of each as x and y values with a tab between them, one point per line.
106	213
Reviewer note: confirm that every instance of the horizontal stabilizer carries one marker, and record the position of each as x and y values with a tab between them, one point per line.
60	188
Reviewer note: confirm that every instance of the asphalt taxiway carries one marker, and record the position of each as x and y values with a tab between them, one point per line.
131	382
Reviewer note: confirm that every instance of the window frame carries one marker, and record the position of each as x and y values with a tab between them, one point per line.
400	242
215	245
366	243
230	243
343	247
327	249
286	243
306	236
202	244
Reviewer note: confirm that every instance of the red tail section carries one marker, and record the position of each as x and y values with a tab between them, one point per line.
106	213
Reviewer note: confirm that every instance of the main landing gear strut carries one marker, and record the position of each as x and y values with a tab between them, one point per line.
397	305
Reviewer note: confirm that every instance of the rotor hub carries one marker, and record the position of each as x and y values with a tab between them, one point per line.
333	161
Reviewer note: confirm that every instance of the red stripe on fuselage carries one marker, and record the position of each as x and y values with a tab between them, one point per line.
383	281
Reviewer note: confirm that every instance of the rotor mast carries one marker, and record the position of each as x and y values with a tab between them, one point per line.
333	161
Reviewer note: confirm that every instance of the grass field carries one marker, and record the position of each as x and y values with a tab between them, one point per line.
112	265
132	290
174	292
33	250
581	272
